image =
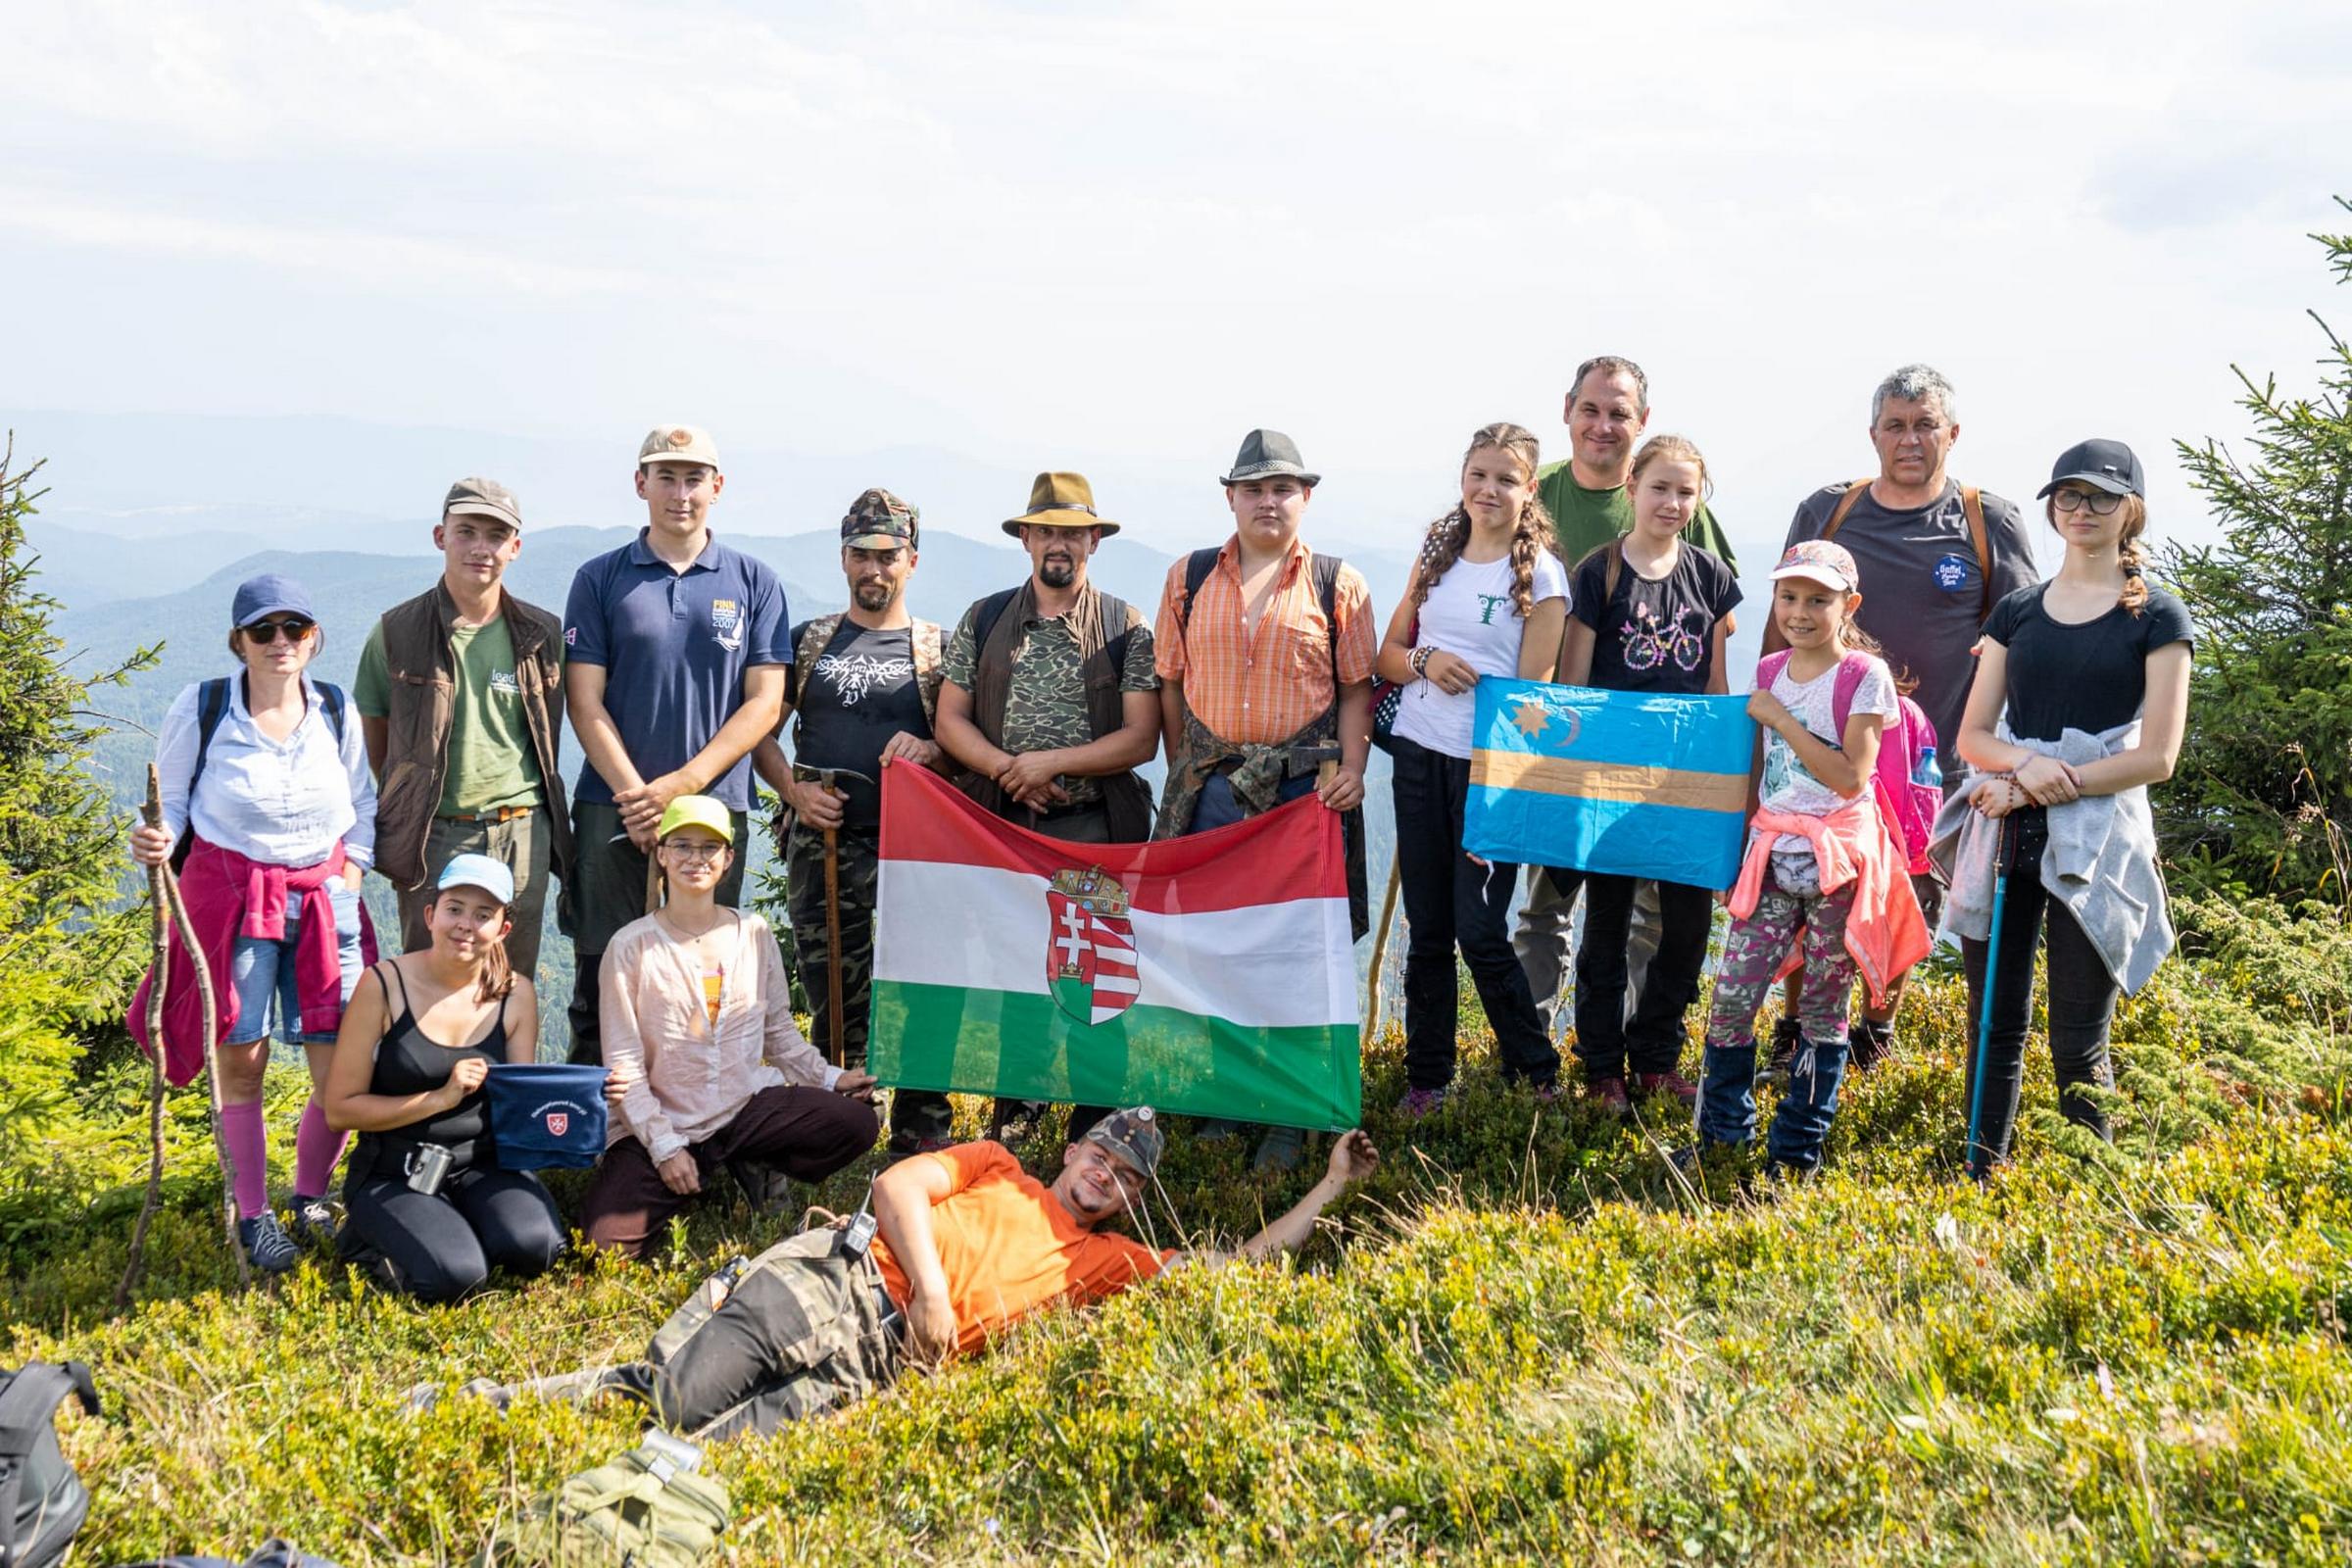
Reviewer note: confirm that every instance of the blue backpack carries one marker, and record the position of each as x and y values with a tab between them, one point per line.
212	706
547	1115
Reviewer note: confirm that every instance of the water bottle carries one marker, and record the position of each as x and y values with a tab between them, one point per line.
1924	772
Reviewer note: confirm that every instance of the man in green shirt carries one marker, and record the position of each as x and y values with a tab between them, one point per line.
460	699
1606	412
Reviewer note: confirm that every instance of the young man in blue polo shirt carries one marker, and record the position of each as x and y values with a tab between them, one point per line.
676	651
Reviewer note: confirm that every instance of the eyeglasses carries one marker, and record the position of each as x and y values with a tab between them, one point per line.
265	631
694	852
2100	502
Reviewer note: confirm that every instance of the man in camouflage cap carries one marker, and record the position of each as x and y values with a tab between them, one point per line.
863	682
969	1243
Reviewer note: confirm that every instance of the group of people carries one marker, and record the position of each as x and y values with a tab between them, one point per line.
684	678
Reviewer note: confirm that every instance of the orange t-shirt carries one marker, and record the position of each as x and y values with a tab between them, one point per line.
1008	1247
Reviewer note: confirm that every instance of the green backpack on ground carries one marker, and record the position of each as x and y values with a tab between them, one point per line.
648	1508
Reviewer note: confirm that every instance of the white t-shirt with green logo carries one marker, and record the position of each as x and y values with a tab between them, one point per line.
1469	614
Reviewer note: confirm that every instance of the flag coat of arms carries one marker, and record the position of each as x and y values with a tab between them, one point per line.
1627	783
1211	975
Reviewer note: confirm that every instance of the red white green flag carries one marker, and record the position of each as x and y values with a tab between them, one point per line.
1213	975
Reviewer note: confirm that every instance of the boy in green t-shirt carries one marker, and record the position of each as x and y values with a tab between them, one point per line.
459	693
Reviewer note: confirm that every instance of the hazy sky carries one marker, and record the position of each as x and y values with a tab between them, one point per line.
1117	236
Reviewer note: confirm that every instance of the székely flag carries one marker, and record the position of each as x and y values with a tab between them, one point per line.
1629	783
1213	974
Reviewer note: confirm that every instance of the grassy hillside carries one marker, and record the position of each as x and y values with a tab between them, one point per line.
1527	1339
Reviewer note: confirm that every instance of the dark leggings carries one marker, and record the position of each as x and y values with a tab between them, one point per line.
443	1244
2081	1004
1653	1041
1450	901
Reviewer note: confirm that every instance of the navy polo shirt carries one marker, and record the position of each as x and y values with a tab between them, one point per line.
673	646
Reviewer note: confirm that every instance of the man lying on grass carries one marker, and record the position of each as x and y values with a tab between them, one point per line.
968	1243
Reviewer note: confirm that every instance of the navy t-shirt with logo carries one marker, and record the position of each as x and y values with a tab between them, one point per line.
674	646
858	693
1922	593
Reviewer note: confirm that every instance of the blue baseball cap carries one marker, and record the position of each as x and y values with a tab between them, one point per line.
266	595
478	871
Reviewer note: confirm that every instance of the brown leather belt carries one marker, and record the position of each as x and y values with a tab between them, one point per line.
505	814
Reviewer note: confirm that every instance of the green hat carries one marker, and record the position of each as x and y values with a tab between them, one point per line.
484	497
1060	500
696	811
880	521
1133	1135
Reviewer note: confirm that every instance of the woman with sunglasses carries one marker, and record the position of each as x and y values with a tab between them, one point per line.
264	775
708	1073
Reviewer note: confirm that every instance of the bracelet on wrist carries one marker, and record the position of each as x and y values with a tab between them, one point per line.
1419	660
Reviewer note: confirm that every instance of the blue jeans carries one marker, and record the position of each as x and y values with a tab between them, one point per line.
263	972
1217	807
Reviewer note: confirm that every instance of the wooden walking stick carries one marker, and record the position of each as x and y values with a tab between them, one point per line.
1380	947
159	912
831	781
208	1006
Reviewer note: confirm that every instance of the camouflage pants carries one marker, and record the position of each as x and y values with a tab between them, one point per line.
913	1114
803	1329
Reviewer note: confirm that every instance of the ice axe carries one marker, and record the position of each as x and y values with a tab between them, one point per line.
830	780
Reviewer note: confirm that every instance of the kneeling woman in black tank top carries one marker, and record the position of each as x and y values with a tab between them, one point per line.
419	1037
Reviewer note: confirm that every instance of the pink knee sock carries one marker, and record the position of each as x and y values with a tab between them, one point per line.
316	1148
248	1158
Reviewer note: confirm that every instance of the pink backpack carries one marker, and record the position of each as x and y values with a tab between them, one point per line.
1910	806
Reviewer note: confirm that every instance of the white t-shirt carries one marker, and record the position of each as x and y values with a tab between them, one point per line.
1788	786
1469	614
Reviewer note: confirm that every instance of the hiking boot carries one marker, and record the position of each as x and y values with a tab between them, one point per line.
1610	1093
1548	1094
1420	1102
267	1245
315	1223
1282	1149
1670	1083
1014	1121
1775	1067
765	1188
1872	1041
1215	1130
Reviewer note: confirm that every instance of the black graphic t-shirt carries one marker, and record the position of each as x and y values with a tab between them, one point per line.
1654	636
860	692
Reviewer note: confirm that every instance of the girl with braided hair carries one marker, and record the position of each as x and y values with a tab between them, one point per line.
2079	704
1487	597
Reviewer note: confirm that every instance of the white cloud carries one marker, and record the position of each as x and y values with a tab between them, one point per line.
1137	230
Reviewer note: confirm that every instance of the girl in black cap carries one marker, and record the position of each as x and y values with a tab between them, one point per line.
2079	699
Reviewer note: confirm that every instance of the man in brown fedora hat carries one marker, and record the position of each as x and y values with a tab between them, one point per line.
1265	665
1050	700
864	682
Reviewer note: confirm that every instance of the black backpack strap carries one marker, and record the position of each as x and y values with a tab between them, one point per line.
1197	567
985	615
1116	612
1326	569
212	706
331	698
27	1407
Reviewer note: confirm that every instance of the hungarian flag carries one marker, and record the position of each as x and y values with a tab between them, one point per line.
1213	975
1629	783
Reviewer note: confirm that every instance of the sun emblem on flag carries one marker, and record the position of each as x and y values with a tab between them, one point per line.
1090	945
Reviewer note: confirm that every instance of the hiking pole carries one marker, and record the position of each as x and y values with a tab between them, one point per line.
1380	945
829	779
159	925
202	973
2003	851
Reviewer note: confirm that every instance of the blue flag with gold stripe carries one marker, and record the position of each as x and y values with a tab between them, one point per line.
1629	783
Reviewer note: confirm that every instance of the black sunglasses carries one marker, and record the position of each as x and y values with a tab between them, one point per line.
294	627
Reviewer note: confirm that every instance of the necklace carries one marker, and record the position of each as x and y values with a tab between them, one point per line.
724	917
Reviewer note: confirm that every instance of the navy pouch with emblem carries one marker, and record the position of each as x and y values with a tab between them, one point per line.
547	1115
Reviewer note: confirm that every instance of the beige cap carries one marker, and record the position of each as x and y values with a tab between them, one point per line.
679	443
